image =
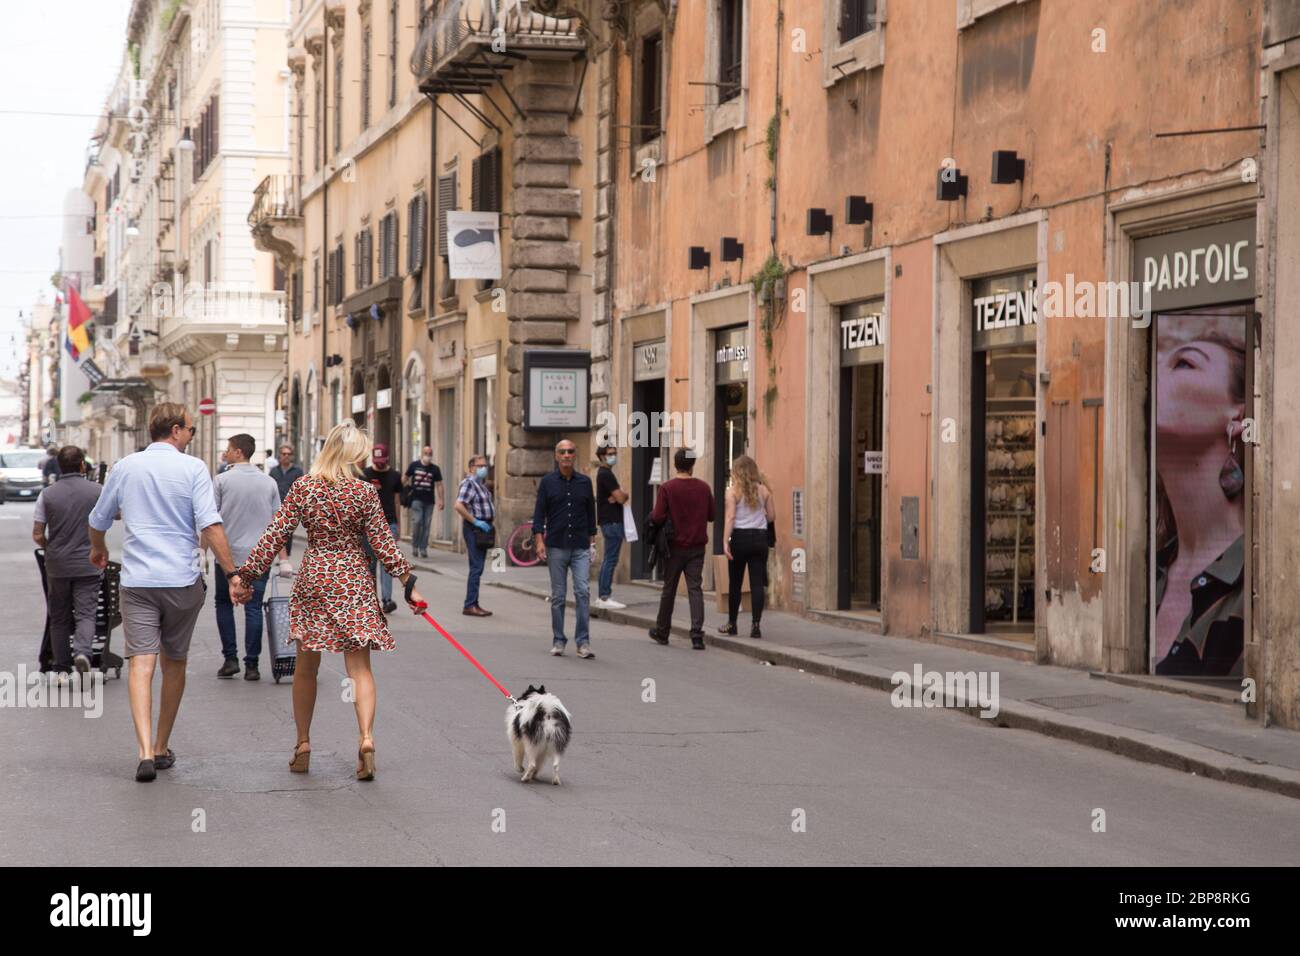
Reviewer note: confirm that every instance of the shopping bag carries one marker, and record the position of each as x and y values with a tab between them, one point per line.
629	523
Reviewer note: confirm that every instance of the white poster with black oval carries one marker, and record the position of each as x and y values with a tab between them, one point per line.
473	245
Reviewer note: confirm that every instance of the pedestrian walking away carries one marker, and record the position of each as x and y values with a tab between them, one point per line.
609	515
564	531
478	515
750	513
247	500
50	466
166	501
285	473
72	591
686	502
423	482
333	606
388	485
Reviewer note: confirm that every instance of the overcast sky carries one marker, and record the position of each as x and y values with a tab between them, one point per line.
56	57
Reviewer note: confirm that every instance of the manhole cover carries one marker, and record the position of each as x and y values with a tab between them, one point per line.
1075	701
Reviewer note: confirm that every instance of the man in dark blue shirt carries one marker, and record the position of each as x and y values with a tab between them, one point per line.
564	529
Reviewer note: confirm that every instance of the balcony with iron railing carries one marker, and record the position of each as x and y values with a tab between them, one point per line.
276	219
465	45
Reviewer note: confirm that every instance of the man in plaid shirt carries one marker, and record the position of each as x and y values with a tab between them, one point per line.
474	505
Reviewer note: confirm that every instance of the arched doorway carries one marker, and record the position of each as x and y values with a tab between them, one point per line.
295	419
384	409
415	420
358	408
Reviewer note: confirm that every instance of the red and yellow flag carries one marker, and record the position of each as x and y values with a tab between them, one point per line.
78	316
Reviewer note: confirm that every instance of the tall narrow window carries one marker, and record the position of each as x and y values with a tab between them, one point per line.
731	34
650	117
392	53
485	182
338	101
316	302
316	128
365	79
856	18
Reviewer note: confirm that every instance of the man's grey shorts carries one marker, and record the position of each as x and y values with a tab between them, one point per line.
161	620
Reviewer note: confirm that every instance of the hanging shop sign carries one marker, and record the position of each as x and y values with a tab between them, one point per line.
557	386
384	398
649	361
862	333
473	245
1194	267
358	404
1004	311
731	355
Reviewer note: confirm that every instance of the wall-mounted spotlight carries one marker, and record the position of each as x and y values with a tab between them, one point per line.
376	313
819	222
132	230
952	184
733	250
858	211
700	257
1007	167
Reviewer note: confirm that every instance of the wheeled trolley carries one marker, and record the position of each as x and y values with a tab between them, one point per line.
284	653
108	615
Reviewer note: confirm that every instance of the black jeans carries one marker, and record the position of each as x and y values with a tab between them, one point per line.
748	550
691	563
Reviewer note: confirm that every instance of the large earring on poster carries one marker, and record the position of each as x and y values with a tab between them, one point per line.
1231	478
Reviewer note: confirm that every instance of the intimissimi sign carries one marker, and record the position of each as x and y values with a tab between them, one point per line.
1194	267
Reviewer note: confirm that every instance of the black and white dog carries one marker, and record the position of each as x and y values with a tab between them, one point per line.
538	726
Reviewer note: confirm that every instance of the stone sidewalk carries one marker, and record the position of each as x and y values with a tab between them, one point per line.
1203	733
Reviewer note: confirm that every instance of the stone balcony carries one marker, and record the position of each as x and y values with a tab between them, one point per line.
276	220
201	322
465	46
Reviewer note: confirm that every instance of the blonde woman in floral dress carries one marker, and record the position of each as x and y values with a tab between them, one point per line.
334	606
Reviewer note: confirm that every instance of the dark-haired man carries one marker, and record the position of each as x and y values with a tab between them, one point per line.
688	501
72	582
247	500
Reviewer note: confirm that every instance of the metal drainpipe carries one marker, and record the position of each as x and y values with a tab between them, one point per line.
325	205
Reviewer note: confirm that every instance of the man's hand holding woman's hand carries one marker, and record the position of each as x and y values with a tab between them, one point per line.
240	593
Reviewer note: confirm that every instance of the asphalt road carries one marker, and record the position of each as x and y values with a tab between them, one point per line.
718	769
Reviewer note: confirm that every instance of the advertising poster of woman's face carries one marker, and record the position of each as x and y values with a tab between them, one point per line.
1200	406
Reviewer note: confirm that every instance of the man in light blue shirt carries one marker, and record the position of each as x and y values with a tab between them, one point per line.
166	502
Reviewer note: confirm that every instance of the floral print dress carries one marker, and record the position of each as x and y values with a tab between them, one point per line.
334	606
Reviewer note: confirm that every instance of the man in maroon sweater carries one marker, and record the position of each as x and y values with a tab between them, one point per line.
688	501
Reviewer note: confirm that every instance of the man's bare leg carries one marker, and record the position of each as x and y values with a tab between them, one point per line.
140	689
173	688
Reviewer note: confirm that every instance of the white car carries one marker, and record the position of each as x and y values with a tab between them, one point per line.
20	474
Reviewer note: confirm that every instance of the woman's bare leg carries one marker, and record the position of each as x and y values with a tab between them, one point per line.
363	686
304	691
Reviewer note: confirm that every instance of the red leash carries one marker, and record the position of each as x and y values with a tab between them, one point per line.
481	669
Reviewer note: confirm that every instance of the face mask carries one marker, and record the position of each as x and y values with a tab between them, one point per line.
426	459
481	472
611	460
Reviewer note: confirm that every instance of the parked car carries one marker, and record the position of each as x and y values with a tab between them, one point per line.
20	474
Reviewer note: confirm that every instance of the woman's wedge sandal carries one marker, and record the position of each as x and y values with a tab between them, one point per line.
301	758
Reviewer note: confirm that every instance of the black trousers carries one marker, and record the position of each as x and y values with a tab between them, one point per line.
691	563
748	550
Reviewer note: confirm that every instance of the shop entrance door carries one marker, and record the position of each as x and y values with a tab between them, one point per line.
647	399
452	468
1003	438
730	433
860	480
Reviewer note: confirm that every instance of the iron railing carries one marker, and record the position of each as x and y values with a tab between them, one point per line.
448	25
274	198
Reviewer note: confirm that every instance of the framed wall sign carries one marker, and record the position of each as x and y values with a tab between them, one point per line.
557	388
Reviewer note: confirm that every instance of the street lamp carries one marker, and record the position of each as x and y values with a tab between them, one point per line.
185	144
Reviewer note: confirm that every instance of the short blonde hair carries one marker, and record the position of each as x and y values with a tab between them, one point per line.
345	446
163	418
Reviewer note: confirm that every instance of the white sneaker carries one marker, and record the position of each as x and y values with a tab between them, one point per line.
612	605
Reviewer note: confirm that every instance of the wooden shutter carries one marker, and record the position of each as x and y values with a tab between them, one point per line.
485	188
447	193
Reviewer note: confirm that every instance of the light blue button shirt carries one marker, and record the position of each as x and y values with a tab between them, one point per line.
166	499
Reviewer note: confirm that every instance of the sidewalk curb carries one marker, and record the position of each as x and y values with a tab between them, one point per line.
1139	745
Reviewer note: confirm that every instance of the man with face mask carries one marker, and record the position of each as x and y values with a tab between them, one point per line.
424	480
609	515
474	505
